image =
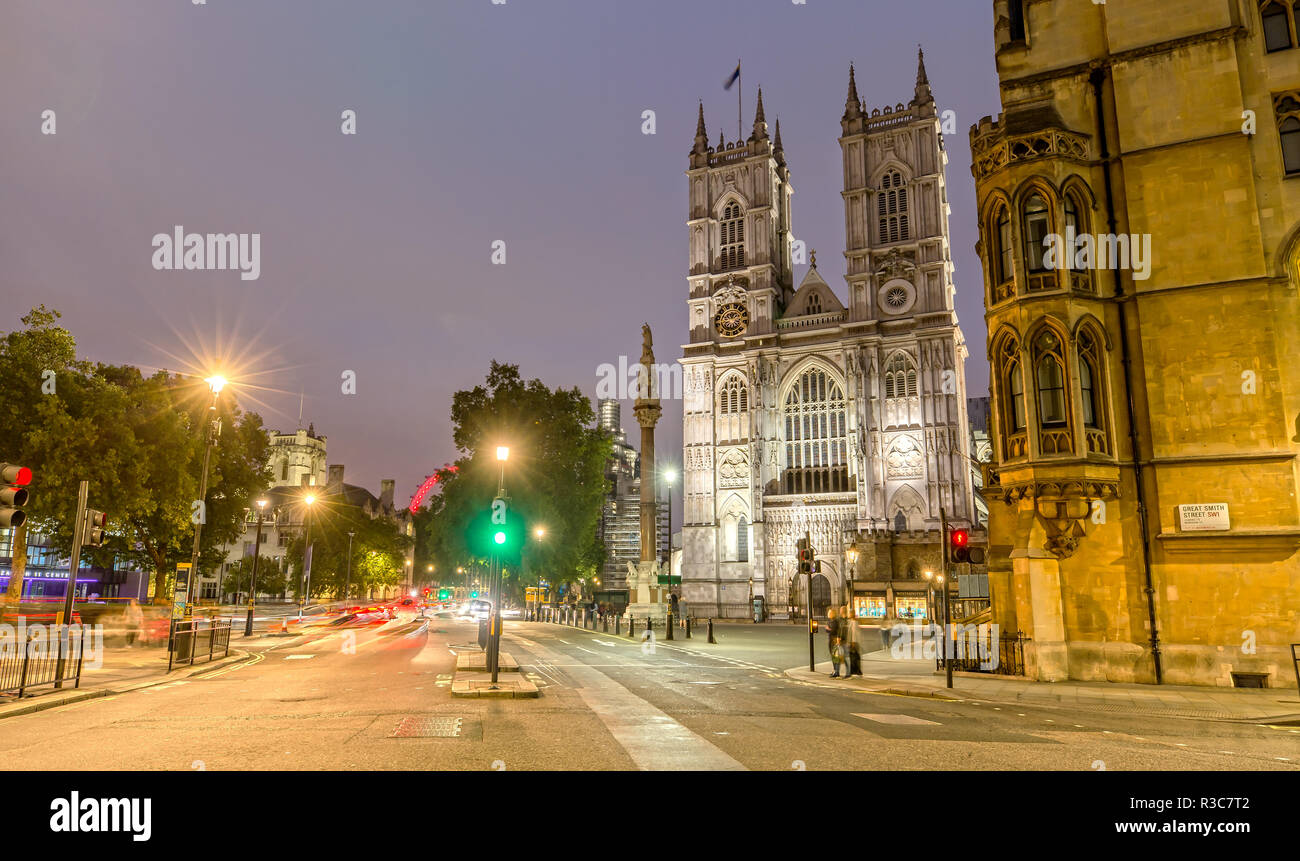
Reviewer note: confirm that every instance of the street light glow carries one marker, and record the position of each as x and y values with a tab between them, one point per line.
309	499
670	475
261	503
503	452
540	532
216	383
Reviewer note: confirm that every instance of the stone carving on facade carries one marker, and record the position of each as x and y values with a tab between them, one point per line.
733	469
905	458
895	264
730	291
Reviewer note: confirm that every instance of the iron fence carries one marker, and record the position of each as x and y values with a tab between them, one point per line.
192	640
36	660
972	648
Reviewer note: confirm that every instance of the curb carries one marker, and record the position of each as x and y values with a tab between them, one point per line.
43	702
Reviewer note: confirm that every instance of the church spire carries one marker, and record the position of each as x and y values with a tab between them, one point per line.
778	148
701	135
760	120
923	94
852	105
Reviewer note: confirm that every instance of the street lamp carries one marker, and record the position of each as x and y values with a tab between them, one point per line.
670	476
308	500
852	555
257	552
347	584
929	597
215	384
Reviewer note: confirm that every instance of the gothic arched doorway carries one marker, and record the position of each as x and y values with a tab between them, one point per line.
821	596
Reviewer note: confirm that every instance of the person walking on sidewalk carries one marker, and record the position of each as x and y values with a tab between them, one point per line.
853	653
835	640
134	622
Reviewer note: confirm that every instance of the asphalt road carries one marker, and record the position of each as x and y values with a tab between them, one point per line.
364	696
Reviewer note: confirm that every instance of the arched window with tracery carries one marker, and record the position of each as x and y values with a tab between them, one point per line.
1053	406
742	539
1000	257
1011	398
1035	224
891	208
733	409
902	404
733	237
816	435
1286	107
1279	20
1076	226
1091	392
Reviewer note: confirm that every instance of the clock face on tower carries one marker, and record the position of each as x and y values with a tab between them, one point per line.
731	320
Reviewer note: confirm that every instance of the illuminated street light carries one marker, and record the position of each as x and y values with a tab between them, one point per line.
503	452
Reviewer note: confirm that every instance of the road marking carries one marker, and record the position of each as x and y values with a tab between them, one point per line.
1281	759
603	643
651	737
898	720
588	651
299	657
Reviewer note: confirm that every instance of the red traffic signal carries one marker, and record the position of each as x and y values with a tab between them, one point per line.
13	494
960	542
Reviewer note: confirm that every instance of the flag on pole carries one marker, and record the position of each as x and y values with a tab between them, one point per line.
735	76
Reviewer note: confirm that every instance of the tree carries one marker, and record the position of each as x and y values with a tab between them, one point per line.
138	441
378	550
270	581
554	478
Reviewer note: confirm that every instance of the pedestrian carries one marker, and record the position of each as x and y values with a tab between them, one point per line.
134	622
834	639
851	632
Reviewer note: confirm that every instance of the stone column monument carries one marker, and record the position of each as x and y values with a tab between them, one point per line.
646	597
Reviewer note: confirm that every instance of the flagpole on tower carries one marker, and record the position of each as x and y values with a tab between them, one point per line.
740	99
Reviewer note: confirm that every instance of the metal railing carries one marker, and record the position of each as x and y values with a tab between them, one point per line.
974	650
35	661
192	640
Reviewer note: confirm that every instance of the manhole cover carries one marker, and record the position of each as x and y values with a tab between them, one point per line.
427	727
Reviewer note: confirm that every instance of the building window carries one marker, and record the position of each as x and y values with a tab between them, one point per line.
1016	10
1090	382
742	540
814	304
1002	253
733	409
900	377
1036	226
1278	17
284	470
816	437
1017	389
1051	391
891	208
733	237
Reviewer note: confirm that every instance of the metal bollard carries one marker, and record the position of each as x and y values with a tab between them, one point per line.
631	626
617	618
648	626
668	628
687	620
604	623
711	640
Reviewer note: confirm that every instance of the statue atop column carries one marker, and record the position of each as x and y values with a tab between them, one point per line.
647	598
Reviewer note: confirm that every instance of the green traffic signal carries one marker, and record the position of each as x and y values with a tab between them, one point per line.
500	537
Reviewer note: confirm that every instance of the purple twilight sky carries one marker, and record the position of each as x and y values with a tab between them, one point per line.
475	122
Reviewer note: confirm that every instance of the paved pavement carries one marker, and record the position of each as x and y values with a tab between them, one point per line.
378	697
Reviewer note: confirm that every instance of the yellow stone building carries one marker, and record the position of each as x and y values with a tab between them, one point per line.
1146	415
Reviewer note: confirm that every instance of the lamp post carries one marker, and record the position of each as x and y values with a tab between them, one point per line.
539	533
494	641
257	552
305	583
670	476
347	583
215	384
929	597
852	555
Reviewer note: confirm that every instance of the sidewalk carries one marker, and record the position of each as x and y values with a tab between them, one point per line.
122	669
918	678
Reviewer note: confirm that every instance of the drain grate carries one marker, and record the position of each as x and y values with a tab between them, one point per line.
427	727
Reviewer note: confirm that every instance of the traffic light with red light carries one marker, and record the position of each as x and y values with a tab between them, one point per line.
13	493
959	542
92	533
806	556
